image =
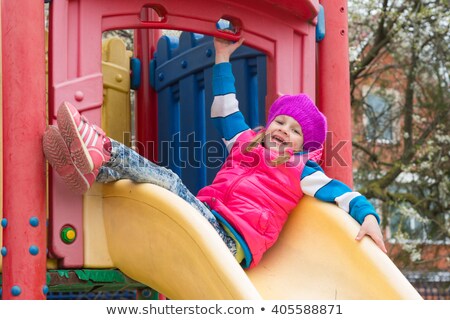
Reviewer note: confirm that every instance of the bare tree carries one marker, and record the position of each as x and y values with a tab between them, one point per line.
400	90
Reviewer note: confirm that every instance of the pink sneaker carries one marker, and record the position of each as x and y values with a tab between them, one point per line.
84	140
59	157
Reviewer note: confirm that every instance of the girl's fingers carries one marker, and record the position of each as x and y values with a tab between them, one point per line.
361	234
377	238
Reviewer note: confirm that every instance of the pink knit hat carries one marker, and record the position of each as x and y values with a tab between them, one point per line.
301	108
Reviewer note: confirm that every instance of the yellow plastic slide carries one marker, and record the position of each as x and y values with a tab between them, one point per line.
158	239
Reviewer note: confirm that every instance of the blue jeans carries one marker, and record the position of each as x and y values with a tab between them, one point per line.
125	163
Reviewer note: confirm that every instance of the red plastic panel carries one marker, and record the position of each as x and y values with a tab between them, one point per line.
306	10
334	91
23	178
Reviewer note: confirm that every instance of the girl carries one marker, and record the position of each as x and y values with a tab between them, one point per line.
263	178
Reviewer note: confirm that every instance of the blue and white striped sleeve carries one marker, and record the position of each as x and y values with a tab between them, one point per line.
315	183
225	112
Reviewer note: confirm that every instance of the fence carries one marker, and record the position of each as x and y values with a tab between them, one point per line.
431	285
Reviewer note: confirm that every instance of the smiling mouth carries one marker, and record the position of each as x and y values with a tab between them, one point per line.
280	141
277	139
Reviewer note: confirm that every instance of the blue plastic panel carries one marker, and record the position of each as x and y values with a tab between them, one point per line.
181	73
320	27
135	66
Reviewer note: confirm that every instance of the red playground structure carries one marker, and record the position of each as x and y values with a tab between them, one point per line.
43	221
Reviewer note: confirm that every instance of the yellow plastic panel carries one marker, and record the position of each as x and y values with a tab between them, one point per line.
96	254
317	257
158	239
116	110
115	121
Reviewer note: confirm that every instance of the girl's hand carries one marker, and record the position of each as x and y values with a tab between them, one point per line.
224	49
371	228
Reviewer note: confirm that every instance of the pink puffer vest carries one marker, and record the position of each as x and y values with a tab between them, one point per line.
253	195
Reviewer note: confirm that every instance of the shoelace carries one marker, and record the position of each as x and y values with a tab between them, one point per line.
101	134
97	129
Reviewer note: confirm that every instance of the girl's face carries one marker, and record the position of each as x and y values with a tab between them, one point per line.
282	133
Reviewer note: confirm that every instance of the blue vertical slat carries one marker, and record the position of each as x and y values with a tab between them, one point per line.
188	108
175	132
240	71
214	150
253	93
191	113
168	109
188	134
200	129
168	125
261	63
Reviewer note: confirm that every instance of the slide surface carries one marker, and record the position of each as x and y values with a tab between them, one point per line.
158	239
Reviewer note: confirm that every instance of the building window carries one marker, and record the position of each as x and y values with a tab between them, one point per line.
378	114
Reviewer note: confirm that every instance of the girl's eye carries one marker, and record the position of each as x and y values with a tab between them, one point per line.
296	131
279	121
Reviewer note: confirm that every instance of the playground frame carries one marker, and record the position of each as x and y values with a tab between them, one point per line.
75	67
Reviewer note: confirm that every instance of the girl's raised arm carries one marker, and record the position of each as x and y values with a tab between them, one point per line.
225	113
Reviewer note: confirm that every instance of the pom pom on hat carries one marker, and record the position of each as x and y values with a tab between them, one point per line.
301	108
